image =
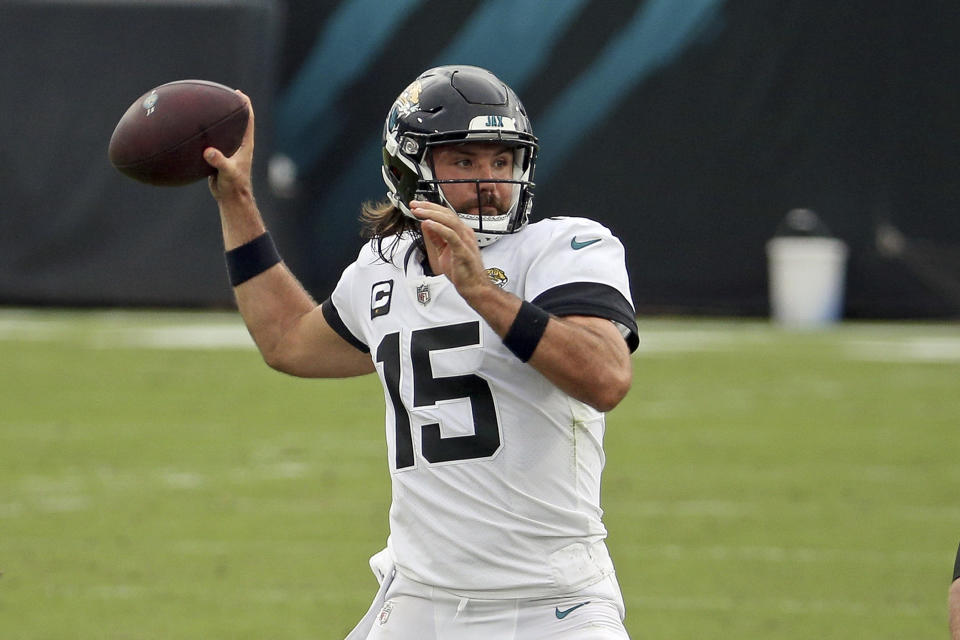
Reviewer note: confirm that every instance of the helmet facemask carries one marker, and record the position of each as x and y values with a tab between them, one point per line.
511	203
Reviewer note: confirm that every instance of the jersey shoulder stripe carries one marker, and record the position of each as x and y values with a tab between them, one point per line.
591	299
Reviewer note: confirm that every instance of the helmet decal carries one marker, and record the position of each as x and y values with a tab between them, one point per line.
494	121
406	103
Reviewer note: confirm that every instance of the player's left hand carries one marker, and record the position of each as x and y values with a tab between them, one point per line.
454	245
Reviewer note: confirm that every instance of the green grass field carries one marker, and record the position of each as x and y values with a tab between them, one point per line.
158	481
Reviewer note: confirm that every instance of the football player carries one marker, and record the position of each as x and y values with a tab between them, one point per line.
499	342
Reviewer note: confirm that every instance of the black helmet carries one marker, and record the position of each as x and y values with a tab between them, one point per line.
451	105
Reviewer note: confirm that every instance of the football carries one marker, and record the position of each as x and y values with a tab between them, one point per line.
161	137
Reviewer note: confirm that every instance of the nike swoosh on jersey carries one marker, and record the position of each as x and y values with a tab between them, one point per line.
576	245
563	614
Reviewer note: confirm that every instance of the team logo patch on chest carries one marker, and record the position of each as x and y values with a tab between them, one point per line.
497	276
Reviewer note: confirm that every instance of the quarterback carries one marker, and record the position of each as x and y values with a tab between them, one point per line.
500	343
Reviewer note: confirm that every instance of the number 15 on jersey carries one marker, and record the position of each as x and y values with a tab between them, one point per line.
429	390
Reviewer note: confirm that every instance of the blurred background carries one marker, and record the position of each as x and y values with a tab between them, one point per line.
158	481
690	127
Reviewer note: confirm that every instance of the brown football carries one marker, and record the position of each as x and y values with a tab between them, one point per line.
161	138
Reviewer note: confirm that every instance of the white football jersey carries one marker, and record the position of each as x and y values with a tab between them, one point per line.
495	472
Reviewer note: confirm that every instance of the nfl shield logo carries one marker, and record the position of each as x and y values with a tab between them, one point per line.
385	613
423	294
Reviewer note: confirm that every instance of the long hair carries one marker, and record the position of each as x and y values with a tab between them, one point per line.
385	225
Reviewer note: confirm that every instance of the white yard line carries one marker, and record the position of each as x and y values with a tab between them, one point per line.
906	349
118	329
880	342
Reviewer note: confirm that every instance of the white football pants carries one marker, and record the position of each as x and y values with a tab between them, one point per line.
408	610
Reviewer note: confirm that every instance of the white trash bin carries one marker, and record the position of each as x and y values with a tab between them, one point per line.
806	278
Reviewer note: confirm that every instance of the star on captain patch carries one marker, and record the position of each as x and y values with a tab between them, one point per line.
423	294
497	276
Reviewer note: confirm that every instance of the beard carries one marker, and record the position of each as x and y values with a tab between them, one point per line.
487	203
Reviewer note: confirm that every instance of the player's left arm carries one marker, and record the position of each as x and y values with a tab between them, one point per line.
584	356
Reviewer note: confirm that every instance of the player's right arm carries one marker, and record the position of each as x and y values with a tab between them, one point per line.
286	324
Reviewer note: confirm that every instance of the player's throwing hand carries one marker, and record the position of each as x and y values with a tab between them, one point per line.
233	173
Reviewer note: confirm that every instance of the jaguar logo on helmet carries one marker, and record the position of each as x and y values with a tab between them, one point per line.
406	103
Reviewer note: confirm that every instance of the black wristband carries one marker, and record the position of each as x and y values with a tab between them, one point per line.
524	334
251	259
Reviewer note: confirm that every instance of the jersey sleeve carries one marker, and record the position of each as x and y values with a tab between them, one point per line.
581	270
339	307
